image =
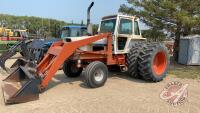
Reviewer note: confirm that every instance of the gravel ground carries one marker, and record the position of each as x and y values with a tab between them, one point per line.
121	94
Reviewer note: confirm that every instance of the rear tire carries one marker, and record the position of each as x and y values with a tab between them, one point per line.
132	60
70	69
96	74
153	62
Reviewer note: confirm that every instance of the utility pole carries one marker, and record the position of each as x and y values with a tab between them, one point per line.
49	25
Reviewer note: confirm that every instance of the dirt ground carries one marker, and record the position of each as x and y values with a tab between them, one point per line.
121	94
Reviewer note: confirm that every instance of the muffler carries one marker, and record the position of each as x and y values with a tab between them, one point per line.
21	86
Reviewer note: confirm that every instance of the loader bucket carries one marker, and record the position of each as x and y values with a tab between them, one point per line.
19	62
21	86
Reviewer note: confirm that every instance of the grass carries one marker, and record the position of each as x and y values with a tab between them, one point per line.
183	71
4	45
8	42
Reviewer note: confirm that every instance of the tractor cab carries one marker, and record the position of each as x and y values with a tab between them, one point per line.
125	30
73	31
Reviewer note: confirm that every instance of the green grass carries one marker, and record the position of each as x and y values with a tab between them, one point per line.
1	51
8	42
183	71
5	45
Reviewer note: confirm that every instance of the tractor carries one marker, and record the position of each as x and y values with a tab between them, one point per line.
118	43
35	49
38	48
16	35
9	38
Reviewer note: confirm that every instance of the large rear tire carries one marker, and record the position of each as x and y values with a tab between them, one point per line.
70	69
132	60
153	62
96	74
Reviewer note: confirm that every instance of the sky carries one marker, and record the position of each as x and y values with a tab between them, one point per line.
66	10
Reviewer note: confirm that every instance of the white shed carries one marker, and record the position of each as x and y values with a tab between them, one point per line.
189	51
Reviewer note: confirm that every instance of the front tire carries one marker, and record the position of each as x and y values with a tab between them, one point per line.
96	74
70	69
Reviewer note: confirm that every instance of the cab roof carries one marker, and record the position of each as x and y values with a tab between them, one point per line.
118	15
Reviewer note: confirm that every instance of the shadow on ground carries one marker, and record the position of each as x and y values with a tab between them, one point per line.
61	78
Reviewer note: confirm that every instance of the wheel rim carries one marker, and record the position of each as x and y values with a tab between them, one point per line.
159	63
98	75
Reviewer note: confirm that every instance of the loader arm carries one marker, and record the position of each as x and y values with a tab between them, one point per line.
58	53
25	83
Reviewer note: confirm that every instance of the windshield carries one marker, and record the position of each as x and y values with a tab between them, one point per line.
65	33
73	32
108	26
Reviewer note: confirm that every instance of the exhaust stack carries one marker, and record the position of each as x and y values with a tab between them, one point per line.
89	26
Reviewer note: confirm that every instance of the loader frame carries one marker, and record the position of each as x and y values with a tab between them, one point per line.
61	51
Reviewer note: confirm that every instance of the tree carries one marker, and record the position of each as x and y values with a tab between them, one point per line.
153	35
82	23
177	17
35	25
95	28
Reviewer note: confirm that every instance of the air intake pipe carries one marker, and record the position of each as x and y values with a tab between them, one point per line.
89	26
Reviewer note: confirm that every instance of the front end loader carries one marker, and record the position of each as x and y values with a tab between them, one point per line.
119	43
25	83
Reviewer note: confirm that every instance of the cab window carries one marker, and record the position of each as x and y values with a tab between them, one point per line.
108	26
136	28
125	26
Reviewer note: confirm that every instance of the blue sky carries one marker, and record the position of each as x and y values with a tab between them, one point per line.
66	10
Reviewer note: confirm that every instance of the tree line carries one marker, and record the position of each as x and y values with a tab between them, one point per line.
35	25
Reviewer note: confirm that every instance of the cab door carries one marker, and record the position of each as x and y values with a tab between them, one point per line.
125	32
